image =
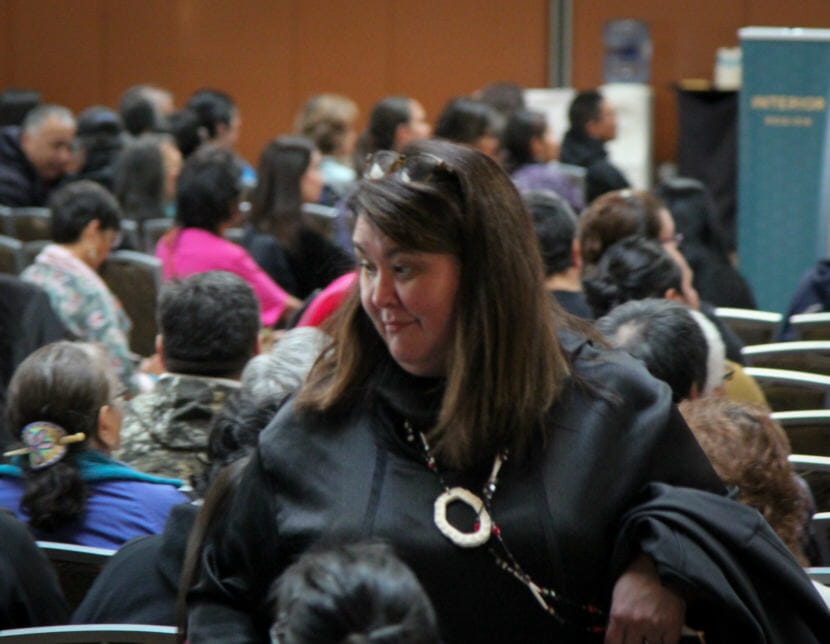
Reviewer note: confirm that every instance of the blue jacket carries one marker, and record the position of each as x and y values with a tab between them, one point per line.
123	503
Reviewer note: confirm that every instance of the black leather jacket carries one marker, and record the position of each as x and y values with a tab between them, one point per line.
612	431
602	176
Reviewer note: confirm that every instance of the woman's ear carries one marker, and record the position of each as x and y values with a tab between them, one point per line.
91	229
109	428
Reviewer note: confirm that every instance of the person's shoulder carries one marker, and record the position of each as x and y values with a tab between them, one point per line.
13	530
294	438
10	151
610	374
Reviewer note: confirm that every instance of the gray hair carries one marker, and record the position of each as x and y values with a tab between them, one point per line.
274	375
39	115
715	366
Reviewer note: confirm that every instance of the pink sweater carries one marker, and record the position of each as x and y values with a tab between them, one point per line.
184	251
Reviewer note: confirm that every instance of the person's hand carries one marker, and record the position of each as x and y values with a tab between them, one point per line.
643	611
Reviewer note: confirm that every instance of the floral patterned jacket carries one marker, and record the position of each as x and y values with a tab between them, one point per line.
85	305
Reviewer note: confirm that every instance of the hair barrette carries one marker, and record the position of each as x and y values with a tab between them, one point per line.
45	443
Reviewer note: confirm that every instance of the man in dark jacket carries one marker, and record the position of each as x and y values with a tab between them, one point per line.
593	123
36	156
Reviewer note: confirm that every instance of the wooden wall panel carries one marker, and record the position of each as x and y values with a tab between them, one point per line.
270	54
6	51
444	49
57	48
143	45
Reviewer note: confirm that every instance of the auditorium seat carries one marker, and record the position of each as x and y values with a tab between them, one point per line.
135	278
12	260
808	430
810	326
815	470
810	357
77	567
752	327
792	390
92	634
29	224
152	230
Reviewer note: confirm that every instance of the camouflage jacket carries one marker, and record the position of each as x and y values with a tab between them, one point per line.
165	431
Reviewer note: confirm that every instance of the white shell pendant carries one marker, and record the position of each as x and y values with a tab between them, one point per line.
464	539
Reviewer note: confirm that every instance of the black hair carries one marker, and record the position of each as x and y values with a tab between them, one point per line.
352	593
522	127
465	120
101	135
138	111
183	124
386	116
15	103
209	323
212	107
276	204
504	96
555	224
634	268
67	384
78	203
234	432
139	178
207	188
584	108
665	337
693	210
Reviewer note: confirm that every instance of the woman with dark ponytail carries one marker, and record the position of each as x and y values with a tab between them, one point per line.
63	405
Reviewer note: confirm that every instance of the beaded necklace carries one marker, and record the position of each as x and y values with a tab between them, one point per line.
486	526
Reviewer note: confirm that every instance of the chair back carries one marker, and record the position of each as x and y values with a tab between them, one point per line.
6	226
135	278
820	527
29	224
92	634
810	357
808	430
129	229
235	235
77	567
811	326
12	259
31	249
821	574
152	230
815	470
752	327
791	390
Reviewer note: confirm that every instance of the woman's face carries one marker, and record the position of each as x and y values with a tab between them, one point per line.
311	183
410	297
668	237
550	146
99	243
418	126
488	143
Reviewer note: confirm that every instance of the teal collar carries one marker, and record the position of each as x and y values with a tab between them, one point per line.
96	466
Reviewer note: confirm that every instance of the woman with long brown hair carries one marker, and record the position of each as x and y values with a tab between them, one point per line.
458	417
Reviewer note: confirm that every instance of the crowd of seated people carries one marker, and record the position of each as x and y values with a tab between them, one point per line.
455	339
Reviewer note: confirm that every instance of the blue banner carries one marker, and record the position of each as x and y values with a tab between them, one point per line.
782	159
